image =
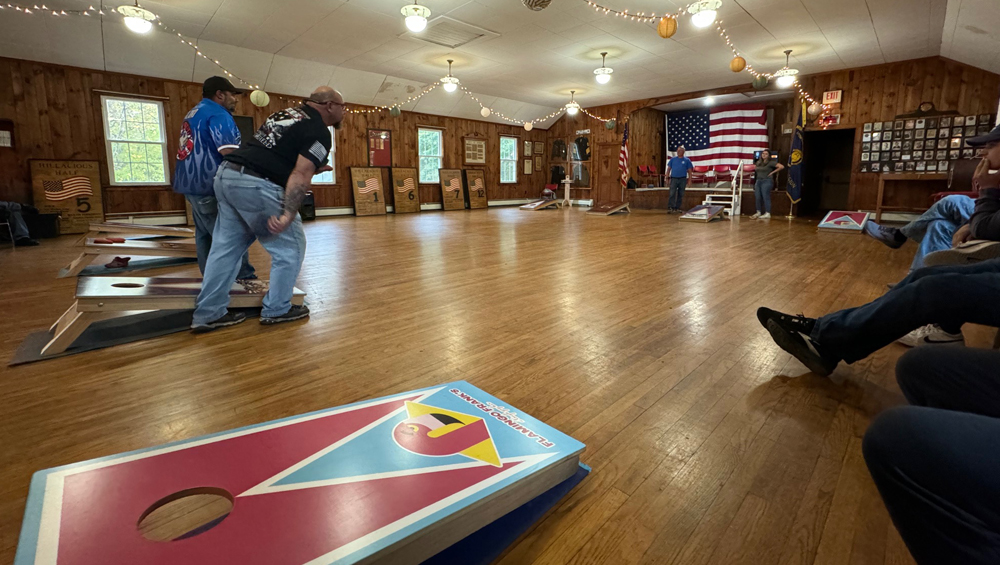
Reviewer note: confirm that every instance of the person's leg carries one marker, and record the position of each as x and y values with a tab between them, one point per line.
17	226
765	195
952	378
955	209
681	185
937	236
673	194
205	210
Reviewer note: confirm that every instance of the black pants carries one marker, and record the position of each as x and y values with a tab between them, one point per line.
937	463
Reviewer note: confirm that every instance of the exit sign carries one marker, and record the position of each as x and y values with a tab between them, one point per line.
833	96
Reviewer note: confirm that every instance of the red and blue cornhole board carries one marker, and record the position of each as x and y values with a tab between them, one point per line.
844	222
350	484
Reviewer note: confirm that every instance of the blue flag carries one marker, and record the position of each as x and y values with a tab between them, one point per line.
795	159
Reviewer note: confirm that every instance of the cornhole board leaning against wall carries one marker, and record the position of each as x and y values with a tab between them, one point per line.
452	191
406	196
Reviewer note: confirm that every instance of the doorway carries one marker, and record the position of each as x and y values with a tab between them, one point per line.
608	185
826	173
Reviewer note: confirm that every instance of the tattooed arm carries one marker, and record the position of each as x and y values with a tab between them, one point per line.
298	184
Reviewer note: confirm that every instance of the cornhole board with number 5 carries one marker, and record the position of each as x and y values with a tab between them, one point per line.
406	194
391	480
369	198
452	191
475	188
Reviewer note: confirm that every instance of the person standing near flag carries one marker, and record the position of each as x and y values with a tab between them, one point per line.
678	171
207	135
766	167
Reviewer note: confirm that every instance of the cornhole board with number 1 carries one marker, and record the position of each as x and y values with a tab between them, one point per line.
369	199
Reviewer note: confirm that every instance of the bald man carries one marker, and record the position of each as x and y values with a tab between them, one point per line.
259	188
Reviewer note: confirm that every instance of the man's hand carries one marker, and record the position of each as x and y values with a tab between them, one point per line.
982	178
278	224
324	169
963	234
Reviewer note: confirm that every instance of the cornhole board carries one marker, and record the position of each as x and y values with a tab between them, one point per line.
542	205
703	213
369	198
406	198
475	189
96	230
844	222
609	207
100	298
131	247
391	480
452	192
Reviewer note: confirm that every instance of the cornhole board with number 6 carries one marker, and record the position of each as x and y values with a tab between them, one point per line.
475	188
542	204
130	247
406	194
369	198
610	207
452	191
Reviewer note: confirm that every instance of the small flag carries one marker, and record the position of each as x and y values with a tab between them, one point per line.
405	185
623	159
477	184
453	185
794	188
72	187
368	186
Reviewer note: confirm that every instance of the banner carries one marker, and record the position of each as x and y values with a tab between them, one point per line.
795	159
71	189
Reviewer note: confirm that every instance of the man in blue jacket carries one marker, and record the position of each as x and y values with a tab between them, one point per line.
207	134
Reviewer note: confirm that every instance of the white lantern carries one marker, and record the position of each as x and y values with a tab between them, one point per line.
485	112
528	126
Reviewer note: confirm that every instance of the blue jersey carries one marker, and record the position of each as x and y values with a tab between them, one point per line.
679	167
207	128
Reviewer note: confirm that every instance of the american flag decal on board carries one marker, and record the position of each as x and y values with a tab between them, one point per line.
477	184
405	185
368	186
453	185
72	187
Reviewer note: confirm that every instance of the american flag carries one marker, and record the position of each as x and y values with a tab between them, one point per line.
623	159
477	184
405	185
368	186
72	187
718	136
453	185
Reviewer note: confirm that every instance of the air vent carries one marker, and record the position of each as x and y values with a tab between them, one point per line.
451	33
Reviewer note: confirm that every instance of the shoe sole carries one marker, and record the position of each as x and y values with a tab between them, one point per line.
273	321
213	327
964	256
797	348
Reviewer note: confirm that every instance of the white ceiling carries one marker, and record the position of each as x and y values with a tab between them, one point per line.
361	46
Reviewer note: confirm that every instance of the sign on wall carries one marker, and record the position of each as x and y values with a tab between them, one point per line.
406	196
71	189
833	96
369	200
379	148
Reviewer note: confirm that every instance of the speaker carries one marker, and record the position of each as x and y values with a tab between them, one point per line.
308	208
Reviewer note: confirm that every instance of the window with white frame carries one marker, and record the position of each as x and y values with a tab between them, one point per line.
329	177
136	140
430	151
508	159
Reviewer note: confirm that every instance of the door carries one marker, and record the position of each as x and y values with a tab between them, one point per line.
826	180
608	186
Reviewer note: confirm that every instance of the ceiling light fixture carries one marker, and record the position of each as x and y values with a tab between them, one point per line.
703	12
416	16
709	100
572	107
785	76
603	74
139	20
449	82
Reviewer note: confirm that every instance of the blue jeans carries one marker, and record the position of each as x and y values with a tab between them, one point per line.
937	463
677	186
949	295
205	210
762	194
934	228
17	226
245	204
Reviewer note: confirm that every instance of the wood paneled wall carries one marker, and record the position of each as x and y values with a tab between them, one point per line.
57	115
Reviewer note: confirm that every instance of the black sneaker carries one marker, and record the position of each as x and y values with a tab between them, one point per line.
294	313
230	319
889	236
25	242
803	348
799	324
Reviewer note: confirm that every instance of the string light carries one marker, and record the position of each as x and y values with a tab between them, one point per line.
373	109
198	52
45	10
633	16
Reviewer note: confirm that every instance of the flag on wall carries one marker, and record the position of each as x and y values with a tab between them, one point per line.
72	187
794	187
623	159
718	136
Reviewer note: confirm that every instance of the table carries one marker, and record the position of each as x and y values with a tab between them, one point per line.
909	177
567	183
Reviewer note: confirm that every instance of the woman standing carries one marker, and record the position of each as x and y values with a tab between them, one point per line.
766	168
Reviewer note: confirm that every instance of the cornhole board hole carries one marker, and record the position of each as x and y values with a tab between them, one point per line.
542	205
391	480
96	230
475	189
608	208
844	222
406	198
100	298
703	213
369	198
452	192
129	248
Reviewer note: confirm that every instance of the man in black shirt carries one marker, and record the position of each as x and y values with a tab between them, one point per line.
259	188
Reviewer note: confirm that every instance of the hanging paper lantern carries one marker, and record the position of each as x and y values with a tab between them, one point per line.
737	64
395	111
528	126
814	109
536	5
485	112
259	98
759	83
610	124
667	27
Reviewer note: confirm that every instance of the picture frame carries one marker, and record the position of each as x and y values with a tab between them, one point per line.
898	124
906	157
474	150
944	132
876	136
911	166
876	156
921	166
886	126
888	136
942	144
866	146
877	126
907	145
928	154
918	145
908	134
538	160
898	166
970	120
866	137
982	130
910	124
954	153
968	153
931	166
970	131
958	132
885	167
539	148
379	148
896	155
864	168
527	148
886	145
945	122
867	127
956	143
932	123
529	166
984	119
931	133
921	123
942	166
866	156
896	145
919	134
941	154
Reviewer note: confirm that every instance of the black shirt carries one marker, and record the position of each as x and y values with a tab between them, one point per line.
285	135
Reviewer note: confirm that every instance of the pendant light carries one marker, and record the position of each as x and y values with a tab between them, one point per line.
603	74
572	107
416	16
703	12
785	76
449	82
138	20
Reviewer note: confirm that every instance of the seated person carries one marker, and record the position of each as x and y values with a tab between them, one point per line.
933	230
11	212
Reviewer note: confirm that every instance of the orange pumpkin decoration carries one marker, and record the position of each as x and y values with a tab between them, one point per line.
667	27
737	64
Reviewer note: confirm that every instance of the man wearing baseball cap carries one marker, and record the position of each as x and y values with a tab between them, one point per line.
207	134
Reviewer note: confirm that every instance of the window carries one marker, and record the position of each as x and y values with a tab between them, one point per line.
137	143
430	150
508	160
329	177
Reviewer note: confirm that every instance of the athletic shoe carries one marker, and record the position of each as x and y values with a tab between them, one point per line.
294	313
765	216
755	216
803	348
974	251
230	319
889	236
25	242
799	324
931	335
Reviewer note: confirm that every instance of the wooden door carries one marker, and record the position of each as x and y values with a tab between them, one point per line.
607	186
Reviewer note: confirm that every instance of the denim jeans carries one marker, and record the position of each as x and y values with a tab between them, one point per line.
17	225
947	295
205	210
934	228
677	186
762	194
245	204
937	463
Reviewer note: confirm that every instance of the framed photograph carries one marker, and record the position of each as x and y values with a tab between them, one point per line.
866	146
941	154
527	148
896	155
866	157
538	161
539	148
921	123
910	124
970	131
942	144
886	145
957	132
475	151
968	153
920	133
867	127
908	134
921	166
932	123
911	166
907	145
932	166
981	130
906	156
984	119
875	155
945	122
888	136
928	155
931	133
529	166
876	136
970	120
954	153
942	166
379	148
864	167
898	166
866	137
885	167
897	145
877	126
898	124
918	145
956	143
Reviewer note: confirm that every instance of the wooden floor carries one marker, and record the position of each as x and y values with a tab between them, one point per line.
635	334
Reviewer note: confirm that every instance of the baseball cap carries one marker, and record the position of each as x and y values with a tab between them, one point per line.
215	84
981	140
